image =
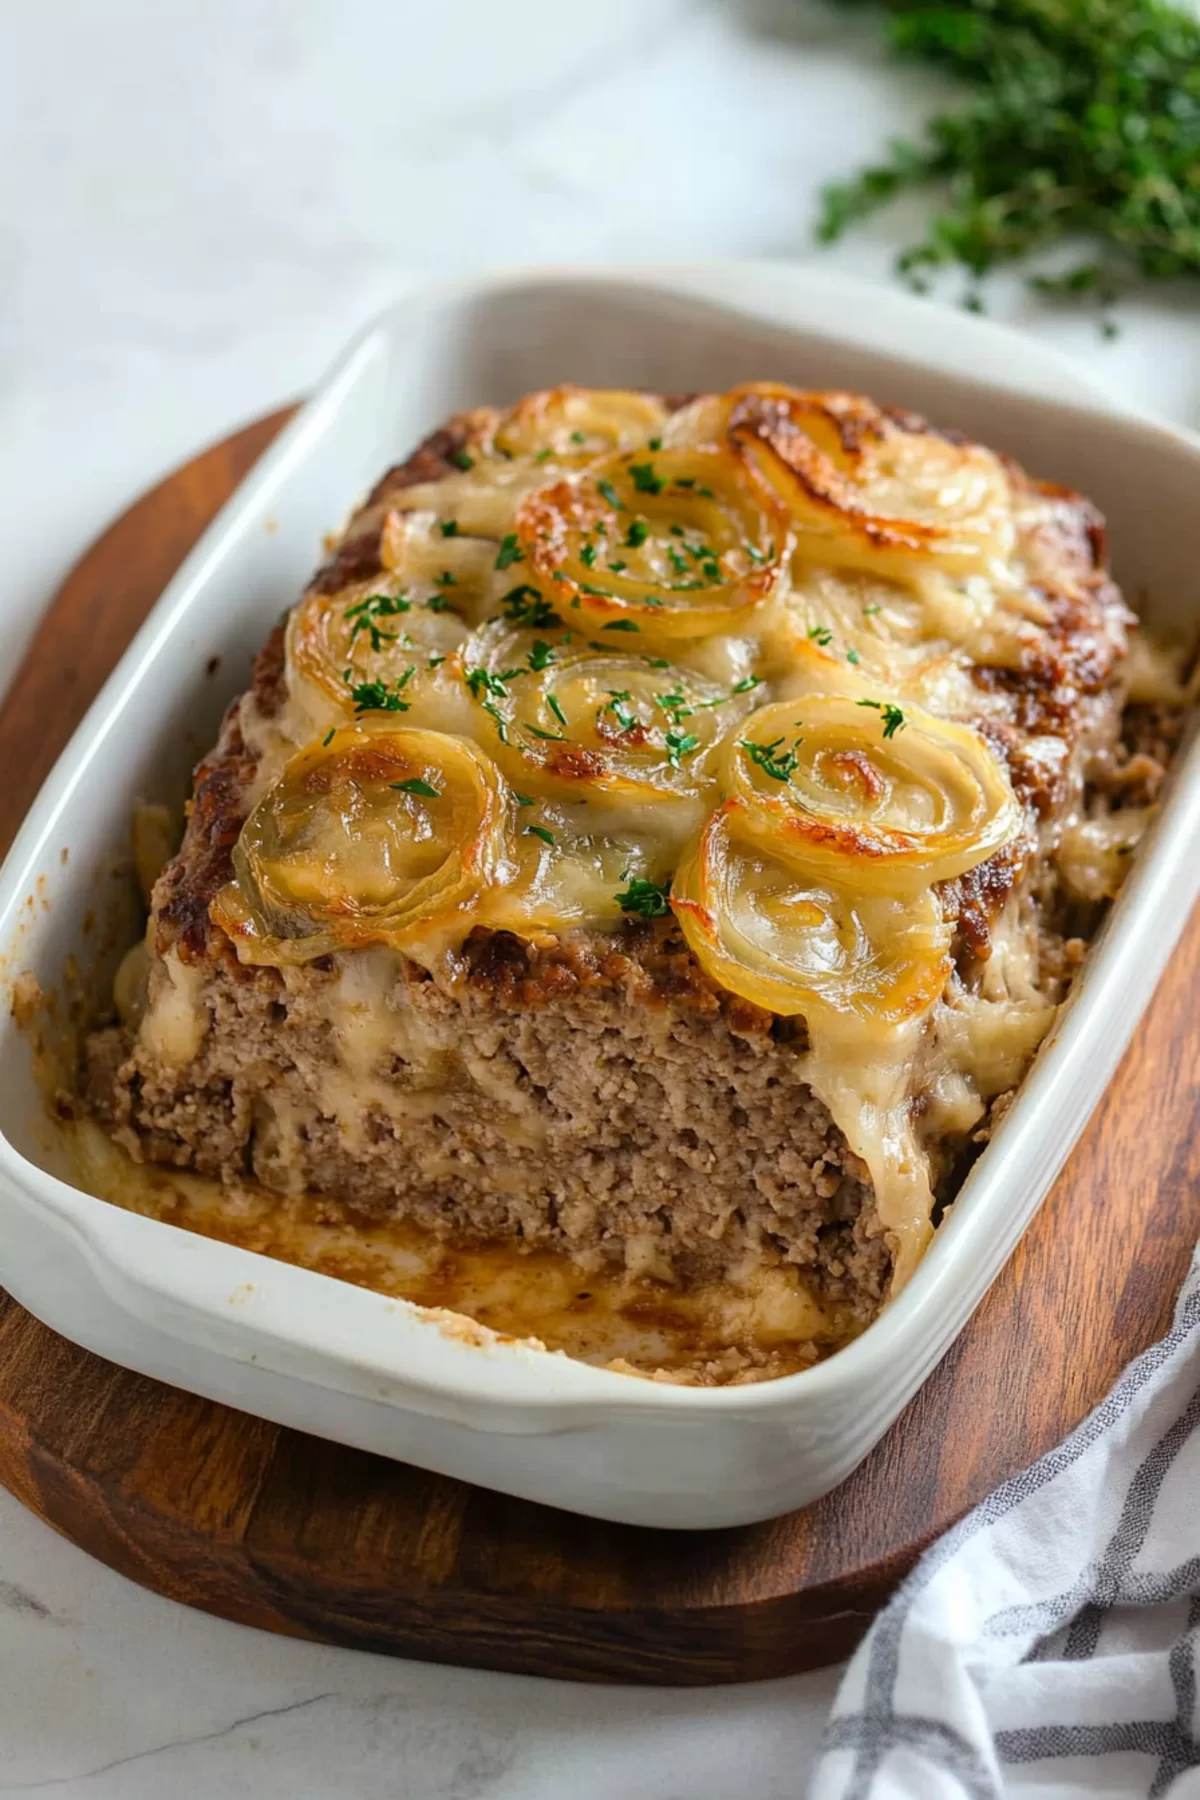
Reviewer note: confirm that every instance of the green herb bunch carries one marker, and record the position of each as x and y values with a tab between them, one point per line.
1088	126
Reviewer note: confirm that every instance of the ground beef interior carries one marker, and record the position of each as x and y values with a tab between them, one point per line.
573	1105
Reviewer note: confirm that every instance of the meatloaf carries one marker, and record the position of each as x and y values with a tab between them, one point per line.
878	695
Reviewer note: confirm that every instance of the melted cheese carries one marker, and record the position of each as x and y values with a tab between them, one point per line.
727	653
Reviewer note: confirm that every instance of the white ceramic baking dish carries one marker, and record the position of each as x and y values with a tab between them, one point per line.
333	1359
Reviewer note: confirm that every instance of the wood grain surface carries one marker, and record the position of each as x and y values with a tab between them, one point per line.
275	1529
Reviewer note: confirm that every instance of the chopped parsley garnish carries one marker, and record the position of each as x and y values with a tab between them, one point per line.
655	444
870	611
577	437
587	556
674	705
414	785
555	705
461	460
745	685
618	567
707	493
509	552
540	656
679	745
890	714
645	480
549	737
367	614
617	705
524	605
543	454
766	758
446	579
329	737
598	593
608	492
648	899
852	656
482	681
440	603
677	562
656	662
523	799
685	481
435	662
620	625
753	551
820	634
539	831
637	534
379	696
489	706
448	527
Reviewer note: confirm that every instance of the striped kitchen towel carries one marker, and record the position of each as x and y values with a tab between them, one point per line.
1046	1646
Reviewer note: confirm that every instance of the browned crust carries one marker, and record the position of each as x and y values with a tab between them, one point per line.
1059	689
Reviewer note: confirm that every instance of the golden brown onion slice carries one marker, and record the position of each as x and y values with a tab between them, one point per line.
571	862
377	835
568	715
562	424
373	645
880	798
665	545
874	490
792	943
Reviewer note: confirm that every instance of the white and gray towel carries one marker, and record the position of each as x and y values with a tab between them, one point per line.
1045	1648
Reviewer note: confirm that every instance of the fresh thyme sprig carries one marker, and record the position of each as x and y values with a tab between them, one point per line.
1087	126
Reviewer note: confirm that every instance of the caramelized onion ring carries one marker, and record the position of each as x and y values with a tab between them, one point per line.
610	723
670	544
565	423
875	490
391	629
881	801
792	943
378	835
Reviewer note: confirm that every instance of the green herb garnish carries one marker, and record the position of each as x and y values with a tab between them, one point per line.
765	757
645	480
648	899
448	527
637	534
609	493
461	460
414	785
367	614
524	605
680	744
509	552
1086	125
539	831
891	716
379	696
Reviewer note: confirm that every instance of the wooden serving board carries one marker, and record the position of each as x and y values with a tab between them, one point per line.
287	1532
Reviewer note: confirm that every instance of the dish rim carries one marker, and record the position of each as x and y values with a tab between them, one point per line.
974	1242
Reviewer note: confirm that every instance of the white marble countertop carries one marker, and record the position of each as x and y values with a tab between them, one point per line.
197	206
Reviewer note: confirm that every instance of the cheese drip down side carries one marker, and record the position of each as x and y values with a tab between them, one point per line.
755	659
